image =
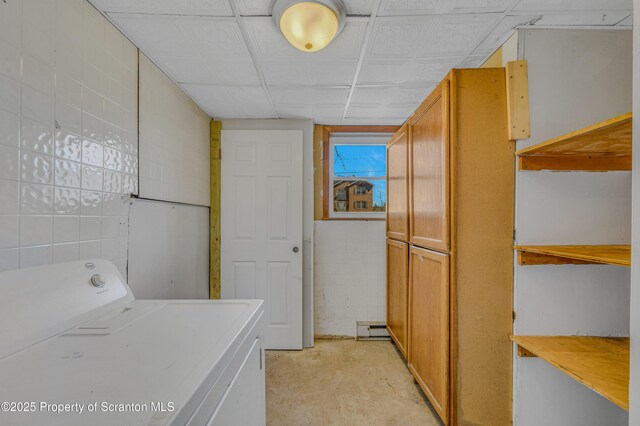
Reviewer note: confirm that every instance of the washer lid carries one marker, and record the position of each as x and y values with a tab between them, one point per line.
37	303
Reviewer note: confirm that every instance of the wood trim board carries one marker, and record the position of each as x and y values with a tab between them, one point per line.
214	222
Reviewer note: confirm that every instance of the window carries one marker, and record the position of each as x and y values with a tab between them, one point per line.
358	175
361	190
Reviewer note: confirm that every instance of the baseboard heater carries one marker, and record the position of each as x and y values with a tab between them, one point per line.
371	330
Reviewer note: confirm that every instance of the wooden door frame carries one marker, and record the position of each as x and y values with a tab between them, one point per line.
326	132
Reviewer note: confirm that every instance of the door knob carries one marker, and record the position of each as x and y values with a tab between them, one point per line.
296	249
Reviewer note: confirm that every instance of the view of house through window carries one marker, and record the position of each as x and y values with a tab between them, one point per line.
358	170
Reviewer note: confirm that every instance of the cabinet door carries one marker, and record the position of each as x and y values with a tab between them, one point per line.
397	186
429	325
429	171
397	292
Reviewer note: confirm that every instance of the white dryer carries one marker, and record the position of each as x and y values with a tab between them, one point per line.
76	348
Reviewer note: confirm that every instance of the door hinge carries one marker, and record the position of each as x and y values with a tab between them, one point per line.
514	315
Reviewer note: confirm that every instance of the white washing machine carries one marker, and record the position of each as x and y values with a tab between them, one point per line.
76	348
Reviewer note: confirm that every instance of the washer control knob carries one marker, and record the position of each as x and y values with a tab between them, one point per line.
97	281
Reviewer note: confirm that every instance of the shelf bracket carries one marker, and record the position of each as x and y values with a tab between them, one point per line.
524	353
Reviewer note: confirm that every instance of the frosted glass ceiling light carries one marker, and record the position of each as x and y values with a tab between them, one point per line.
309	25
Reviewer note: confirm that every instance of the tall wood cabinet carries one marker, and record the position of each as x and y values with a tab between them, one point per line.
398	292
398	186
459	187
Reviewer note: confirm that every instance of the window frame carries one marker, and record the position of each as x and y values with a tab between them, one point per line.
322	134
353	138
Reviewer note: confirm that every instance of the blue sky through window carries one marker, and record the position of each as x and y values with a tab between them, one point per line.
363	161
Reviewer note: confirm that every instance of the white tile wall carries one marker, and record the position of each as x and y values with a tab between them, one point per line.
350	275
174	141
68	134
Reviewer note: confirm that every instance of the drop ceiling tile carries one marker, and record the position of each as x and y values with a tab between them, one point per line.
269	44
475	6
332	73
390	95
234	72
396	37
186	70
409	7
382	71
371	121
402	72
213	99
231	102
155	35
264	7
573	5
252	102
329	95
255	7
134	6
365	111
334	112
503	31
456	35
294	72
216	37
203	7
177	7
582	19
282	95
432	7
358	7
294	111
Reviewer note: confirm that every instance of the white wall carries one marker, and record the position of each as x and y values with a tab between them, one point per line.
307	216
174	141
168	250
68	134
634	386
576	78
350	275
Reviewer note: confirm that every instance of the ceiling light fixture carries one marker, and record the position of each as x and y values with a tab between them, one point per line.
309	25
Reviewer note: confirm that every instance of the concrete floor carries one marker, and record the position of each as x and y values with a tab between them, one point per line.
343	382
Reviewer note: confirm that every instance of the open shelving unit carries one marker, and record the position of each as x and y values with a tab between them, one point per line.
605	146
619	255
599	363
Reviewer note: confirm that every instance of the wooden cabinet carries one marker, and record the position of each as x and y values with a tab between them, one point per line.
429	325
429	171
398	186
460	192
398	292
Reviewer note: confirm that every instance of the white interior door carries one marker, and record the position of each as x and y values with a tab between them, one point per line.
261	227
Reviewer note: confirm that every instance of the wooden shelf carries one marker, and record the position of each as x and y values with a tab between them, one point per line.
576	255
605	146
599	363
